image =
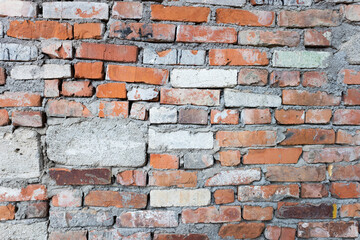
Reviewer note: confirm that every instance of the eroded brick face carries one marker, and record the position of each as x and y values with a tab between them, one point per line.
179	120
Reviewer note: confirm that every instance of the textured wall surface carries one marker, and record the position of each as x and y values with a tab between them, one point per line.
179	120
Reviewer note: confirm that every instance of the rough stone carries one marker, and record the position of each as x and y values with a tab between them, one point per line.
31	231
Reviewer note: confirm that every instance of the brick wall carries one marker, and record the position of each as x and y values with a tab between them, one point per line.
186	120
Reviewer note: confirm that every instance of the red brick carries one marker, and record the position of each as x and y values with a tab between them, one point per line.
92	176
67	198
113	109
89	70
315	38
272	156
115	199
27	118
350	210
152	32
290	116
257	213
309	18
230	157
20	99
36	210
131	10
148	219
68	235
238	57
246	138
212	214
305	98
328	230
331	154
2	76
348	138
65	108
164	161
269	38
313	190
224	196
191	236
352	97
180	14
345	172
193	116
346	117
196	97
295	210
7	212
285	78
111	90
314	79
107	52
248	76
137	74
345	190
77	89
267	193
318	116
308	136
88	30
205	34
51	88
280	233
132	178
40	30
256	116
4	117
28	193
241	230
350	76
227	116
296	174
178	178
238	176
245	18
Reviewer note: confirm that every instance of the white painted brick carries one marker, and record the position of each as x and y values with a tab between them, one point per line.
235	98
151	56
198	160
236	3
142	94
191	57
30	231
17	52
234	177
181	139
203	78
75	10
19	154
163	115
1	30
301	59
47	71
13	8
179	198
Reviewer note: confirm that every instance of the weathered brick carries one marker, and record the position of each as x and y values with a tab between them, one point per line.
179	197
198	160
224	196
191	236
152	56
236	98
269	38
285	78
229	157
132	178
77	89
309	18
17	52
210	34
212	214
350	210
193	116
245	18
301	59
137	74
295	174
111	90
346	117
203	78
4	117
196	97
345	190
246	138
241	230
238	57
138	111
305	210
290	116
89	70
117	234
68	235
88	30
348	138
152	32
318	116
115	199
20	99
34	209
107	52
75	10
12	8
236	3
37	230
256	116
331	155
279	233
7	212
163	115
352	12
46	71
257	213
56	49
349	76
271	193
313	190
248	76
191	57
65	176
352	97
148	219
234	177
164	161
180	14
308	136
65	108
345	172
27	118
272	156
305	98
178	178
67	198
227	116
127	10
29	193
40	30
327	230
51	88
315	38
314	79
2	76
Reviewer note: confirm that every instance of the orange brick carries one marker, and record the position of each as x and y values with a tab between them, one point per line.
132	178
245	18
113	109
227	116
269	38
181	14
164	161
246	138
280	233
296	174
89	70
4	117
257	213
285	78
230	157
345	190
20	99
178	178
350	76
212	214
2	76
131	10
290	116
248	76
317	38
65	108
348	138
27	118
111	90
256	116
77	89
210	34
115	199
238	57
309	18
308	136
352	97
88	30
347	117
28	193
305	98
223	196
314	79
7	212
318	116
272	156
